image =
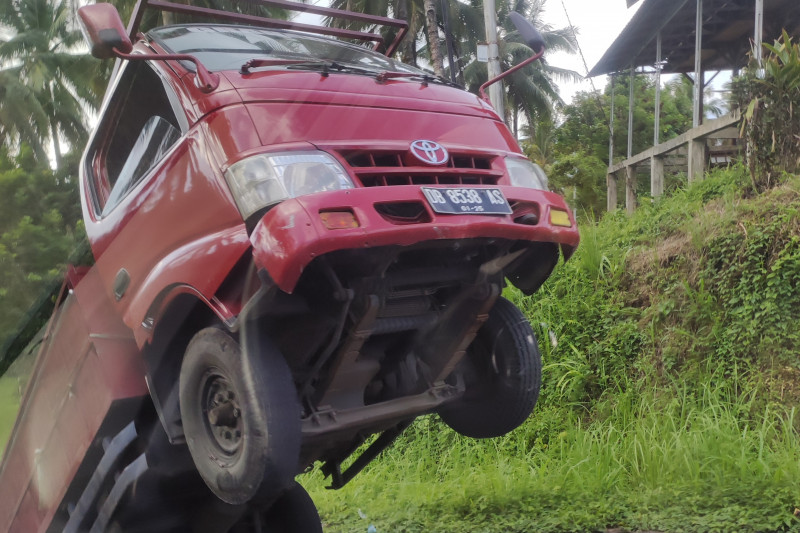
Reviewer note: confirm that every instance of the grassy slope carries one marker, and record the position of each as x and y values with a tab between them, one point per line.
12	387
670	344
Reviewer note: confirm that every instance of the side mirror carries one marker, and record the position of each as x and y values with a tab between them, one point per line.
103	30
526	30
106	34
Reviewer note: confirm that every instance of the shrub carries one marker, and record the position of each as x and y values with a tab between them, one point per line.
768	95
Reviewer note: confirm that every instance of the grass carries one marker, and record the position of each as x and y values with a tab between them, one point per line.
9	405
670	388
667	460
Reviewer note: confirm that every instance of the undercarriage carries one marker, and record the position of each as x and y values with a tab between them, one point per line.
375	338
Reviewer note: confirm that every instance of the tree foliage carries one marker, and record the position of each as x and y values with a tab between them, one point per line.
580	149
39	228
49	79
769	96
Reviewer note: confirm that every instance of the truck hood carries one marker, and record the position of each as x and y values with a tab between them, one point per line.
297	106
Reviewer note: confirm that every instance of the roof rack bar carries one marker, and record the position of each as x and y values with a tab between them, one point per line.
142	5
332	12
264	21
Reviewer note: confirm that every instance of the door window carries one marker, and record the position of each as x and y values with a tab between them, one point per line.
138	131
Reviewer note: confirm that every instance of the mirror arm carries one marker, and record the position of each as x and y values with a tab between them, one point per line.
204	80
482	90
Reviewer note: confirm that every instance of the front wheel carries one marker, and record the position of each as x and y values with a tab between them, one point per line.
241	418
502	373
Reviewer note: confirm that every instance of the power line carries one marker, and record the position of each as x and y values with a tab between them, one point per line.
591	80
580	50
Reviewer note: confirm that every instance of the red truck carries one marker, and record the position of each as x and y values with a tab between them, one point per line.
300	246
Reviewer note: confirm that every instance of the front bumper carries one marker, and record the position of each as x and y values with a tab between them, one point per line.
292	234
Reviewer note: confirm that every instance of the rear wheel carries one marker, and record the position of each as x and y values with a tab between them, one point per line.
502	373
241	418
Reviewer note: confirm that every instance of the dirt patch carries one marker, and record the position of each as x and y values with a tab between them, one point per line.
651	270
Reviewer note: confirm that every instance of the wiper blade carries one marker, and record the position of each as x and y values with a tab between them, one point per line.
256	63
325	67
387	75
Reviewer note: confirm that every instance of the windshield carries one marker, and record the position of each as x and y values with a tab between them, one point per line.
229	47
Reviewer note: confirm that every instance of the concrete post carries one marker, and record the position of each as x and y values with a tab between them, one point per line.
758	36
630	114
630	189
656	176
611	124
697	159
611	186
697	115
493	66
657	123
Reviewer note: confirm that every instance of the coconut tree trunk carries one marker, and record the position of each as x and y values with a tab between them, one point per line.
407	54
515	114
433	37
56	143
54	129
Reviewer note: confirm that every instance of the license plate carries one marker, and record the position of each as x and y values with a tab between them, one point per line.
463	200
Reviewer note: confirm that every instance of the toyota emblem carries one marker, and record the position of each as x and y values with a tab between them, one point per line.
429	152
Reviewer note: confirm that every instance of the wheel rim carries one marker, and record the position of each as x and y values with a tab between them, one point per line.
222	415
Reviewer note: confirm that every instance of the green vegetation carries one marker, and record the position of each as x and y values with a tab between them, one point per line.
769	94
670	388
49	81
39	228
9	405
576	154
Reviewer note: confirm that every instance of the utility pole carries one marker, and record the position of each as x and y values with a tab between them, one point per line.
493	66
758	36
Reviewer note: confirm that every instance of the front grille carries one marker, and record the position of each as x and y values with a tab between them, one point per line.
388	168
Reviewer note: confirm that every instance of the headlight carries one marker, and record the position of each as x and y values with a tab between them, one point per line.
524	173
266	179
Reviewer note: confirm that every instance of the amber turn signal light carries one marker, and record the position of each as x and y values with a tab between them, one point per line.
560	218
339	219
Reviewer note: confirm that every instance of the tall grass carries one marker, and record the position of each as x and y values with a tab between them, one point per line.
665	459
657	412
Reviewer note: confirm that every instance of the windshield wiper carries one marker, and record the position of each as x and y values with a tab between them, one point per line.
325	68
387	75
257	63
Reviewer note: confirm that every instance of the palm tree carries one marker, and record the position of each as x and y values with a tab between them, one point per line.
432	33
43	52
538	143
22	117
533	91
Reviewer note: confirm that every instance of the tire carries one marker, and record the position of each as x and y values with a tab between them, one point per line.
241	418
293	512
502	374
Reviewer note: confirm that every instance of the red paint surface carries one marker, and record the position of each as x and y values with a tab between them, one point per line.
88	360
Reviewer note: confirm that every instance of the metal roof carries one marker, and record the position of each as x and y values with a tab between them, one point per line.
728	27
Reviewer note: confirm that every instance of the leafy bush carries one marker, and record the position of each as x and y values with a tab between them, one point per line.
769	96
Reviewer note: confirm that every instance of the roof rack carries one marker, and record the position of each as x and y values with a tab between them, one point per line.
254	20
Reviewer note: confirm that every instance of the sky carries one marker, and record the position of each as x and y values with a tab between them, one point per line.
598	24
